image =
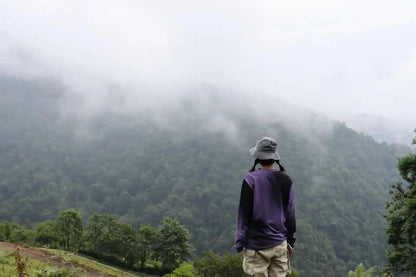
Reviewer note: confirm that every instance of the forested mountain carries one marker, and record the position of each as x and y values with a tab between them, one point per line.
187	162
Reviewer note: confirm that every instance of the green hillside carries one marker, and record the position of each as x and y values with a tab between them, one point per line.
133	166
41	262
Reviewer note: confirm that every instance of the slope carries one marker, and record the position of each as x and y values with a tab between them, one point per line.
41	259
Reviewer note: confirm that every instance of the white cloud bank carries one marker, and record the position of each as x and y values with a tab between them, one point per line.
339	58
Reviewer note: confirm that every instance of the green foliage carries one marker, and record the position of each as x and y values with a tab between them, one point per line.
107	236
173	246
69	229
147	239
185	270
360	271
214	265
13	232
401	218
46	234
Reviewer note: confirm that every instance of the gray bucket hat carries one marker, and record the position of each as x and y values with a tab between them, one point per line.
265	149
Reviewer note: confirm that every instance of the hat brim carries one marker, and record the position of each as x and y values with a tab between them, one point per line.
261	155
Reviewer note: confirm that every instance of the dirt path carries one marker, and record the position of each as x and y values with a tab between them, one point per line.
56	261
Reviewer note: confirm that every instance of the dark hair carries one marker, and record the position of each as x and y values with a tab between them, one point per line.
266	162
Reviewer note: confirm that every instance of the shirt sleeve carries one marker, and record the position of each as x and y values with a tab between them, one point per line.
245	212
290	218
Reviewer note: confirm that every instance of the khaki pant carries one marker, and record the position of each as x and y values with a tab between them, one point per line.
270	262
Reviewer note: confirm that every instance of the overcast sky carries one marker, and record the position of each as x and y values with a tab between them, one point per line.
339	58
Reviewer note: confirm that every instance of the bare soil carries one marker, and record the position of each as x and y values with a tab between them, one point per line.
56	261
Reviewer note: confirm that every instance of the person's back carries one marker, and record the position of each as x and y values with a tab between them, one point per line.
267	226
266	217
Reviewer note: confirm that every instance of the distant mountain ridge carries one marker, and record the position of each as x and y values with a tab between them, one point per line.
189	165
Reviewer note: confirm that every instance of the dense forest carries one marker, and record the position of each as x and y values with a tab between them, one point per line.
149	164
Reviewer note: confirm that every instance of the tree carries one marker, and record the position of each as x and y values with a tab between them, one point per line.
95	226
21	234
147	240
5	230
173	244
13	232
129	240
210	265
107	237
103	235
401	218
46	234
69	228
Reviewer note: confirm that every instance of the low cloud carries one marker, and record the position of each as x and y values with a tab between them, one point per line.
336	59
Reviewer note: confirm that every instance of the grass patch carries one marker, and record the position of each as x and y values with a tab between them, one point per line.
8	265
33	266
80	260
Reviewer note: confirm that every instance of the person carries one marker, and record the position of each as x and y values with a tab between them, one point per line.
266	221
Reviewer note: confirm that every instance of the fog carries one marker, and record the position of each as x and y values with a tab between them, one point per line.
352	61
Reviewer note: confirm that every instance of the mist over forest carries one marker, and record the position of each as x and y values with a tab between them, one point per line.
347	61
142	158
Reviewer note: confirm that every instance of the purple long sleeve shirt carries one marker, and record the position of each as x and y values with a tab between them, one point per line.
266	215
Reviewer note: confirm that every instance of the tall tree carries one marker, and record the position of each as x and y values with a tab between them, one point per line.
69	228
173	247
103	234
129	240
147	239
108	237
401	218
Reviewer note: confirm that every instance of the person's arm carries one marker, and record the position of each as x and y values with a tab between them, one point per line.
245	212
290	219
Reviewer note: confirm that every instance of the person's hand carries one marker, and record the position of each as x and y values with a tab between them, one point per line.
290	249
